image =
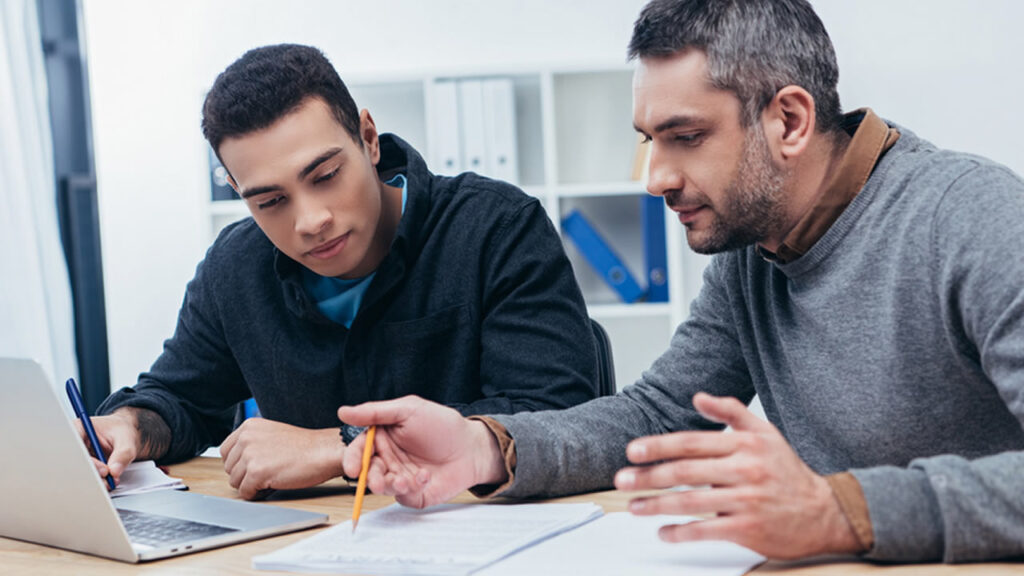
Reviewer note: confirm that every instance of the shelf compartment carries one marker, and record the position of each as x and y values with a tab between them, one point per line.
601	189
594	136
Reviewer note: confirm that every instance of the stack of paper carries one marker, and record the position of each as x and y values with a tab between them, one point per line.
443	540
144	476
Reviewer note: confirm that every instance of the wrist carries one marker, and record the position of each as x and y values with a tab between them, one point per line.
840	537
488	459
332	452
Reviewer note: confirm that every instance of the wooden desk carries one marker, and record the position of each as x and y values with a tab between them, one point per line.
206	475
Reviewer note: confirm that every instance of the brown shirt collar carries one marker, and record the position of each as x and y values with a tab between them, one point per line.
872	137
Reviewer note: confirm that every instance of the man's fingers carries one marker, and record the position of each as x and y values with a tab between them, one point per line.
380	413
352	460
101	468
688	502
230	456
723	528
718	471
681	445
377	479
119	459
730	411
229	442
251	489
236	475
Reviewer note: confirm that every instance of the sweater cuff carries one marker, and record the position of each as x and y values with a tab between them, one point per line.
904	512
507	446
851	500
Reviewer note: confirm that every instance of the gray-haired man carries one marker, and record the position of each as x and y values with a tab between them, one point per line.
867	286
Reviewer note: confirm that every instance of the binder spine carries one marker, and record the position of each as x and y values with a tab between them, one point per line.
445	150
601	257
652	210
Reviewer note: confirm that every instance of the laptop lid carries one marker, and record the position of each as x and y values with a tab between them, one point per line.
51	494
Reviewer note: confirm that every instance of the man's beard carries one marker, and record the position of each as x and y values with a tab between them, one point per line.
752	203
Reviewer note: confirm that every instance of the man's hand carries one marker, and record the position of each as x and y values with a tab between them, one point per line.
265	455
424	453
762	495
126	435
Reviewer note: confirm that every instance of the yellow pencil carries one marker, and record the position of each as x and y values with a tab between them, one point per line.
363	471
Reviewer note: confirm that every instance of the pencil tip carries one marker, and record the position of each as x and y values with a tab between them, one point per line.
354	524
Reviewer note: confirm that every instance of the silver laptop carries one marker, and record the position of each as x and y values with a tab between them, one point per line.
51	494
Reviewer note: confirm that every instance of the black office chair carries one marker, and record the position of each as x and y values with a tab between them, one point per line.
605	365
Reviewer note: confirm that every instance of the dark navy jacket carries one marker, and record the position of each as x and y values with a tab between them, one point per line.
475	306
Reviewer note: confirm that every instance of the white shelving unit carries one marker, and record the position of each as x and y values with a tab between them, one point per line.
575	147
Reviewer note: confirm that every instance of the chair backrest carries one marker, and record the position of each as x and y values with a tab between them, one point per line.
605	365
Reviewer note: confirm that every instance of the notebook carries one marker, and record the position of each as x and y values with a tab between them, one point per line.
51	494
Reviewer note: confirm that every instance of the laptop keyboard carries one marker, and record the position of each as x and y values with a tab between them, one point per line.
155	530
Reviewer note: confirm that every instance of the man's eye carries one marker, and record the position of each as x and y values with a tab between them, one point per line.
689	139
644	138
270	203
325	177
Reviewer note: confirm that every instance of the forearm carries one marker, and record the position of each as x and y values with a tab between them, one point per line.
946	508
574	450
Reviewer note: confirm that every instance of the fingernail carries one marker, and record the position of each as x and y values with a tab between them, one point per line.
637	506
637	451
626	479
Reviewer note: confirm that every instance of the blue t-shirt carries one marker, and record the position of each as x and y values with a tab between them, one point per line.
337	298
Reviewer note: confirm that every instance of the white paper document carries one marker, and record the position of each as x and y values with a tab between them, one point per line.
144	476
621	543
443	540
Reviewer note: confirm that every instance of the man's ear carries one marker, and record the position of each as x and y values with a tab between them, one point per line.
368	135
789	122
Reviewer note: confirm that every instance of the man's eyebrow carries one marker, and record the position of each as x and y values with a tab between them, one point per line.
680	121
259	190
327	155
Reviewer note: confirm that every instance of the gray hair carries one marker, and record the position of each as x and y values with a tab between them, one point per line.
754	48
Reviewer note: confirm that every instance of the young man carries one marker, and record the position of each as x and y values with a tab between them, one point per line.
360	276
867	286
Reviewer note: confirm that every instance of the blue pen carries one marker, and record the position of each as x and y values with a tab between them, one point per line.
79	407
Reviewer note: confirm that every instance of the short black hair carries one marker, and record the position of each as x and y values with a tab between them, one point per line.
754	48
268	83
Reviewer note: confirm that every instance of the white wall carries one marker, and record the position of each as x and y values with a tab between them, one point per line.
944	68
949	70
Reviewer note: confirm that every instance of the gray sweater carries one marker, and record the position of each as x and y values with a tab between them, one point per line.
894	349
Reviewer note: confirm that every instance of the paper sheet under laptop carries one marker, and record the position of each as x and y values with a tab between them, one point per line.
144	476
444	540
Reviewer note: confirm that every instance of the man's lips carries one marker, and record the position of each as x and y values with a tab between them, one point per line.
331	248
687	213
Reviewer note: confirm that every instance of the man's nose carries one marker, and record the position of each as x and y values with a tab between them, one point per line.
664	177
311	217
